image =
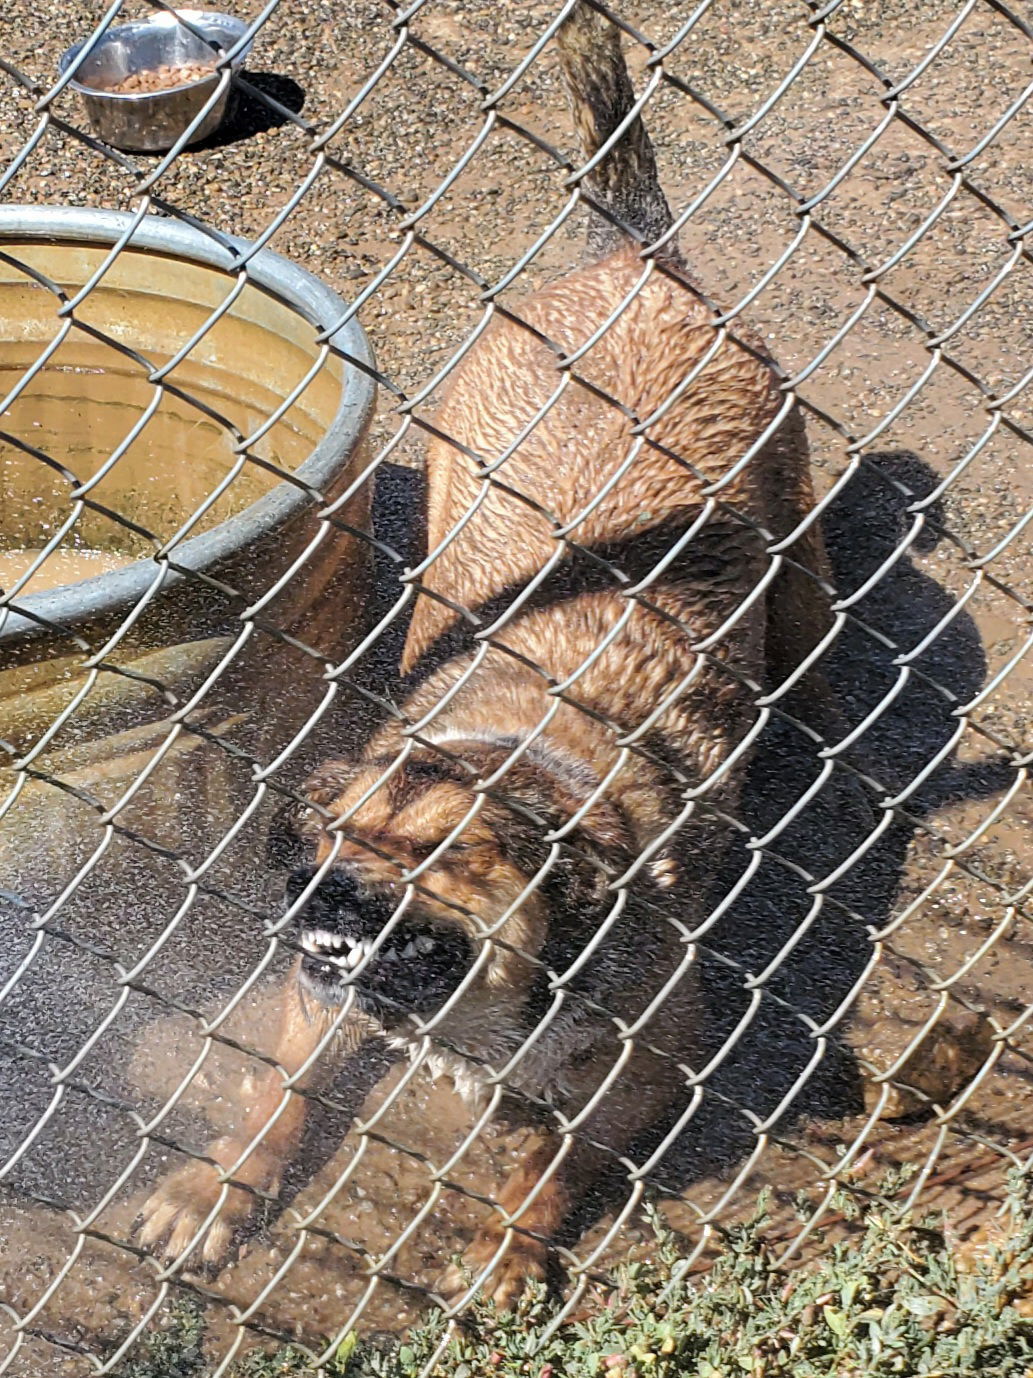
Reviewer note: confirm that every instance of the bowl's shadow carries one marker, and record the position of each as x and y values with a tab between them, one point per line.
252	108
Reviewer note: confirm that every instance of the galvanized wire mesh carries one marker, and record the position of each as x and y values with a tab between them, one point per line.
847	178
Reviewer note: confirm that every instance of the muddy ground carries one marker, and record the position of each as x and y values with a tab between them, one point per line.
932	915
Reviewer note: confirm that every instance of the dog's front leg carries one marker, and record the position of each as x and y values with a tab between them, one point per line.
255	1155
530	1208
556	1172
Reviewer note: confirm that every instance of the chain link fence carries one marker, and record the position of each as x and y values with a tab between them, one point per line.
847	180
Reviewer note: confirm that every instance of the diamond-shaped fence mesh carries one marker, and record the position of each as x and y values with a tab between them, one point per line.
644	918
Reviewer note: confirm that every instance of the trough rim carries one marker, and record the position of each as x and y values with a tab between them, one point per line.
103	595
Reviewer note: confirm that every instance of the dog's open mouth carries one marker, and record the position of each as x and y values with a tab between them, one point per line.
350	940
412	969
344	950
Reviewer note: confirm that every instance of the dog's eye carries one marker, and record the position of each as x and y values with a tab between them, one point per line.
421	851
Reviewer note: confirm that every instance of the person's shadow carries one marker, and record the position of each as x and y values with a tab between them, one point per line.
805	958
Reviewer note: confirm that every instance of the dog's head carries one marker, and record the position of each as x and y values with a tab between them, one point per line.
497	897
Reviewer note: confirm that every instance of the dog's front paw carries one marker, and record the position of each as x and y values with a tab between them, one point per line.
179	1207
523	1261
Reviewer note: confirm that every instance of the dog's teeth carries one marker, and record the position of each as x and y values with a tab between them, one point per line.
317	941
424	944
320	941
340	949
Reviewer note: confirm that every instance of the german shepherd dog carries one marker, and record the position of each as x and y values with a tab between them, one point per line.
514	872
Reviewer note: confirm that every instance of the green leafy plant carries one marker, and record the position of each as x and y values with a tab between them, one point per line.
890	1298
175	1351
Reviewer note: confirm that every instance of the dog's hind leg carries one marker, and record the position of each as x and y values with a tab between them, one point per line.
798	607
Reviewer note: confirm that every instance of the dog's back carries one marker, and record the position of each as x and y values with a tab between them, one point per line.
619	454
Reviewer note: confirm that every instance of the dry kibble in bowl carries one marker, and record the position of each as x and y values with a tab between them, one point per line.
162	78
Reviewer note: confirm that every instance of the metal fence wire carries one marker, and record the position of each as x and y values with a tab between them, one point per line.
807	967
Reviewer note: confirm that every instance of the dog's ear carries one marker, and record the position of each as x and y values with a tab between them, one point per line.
605	836
599	850
583	902
592	856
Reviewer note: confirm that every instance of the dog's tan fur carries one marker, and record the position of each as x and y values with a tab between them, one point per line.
561	683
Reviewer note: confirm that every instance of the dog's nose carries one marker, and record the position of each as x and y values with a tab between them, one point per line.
337	890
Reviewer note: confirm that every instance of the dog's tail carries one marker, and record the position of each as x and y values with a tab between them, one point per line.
625	183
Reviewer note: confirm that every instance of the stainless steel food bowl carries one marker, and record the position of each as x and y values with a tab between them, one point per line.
152	121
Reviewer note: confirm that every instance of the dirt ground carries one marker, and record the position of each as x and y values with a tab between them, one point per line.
929	923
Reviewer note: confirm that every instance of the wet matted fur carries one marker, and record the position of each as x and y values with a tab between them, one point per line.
585	654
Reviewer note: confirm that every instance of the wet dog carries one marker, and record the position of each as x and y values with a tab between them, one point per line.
514	869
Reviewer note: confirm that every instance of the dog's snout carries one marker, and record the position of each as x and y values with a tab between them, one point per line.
337	889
